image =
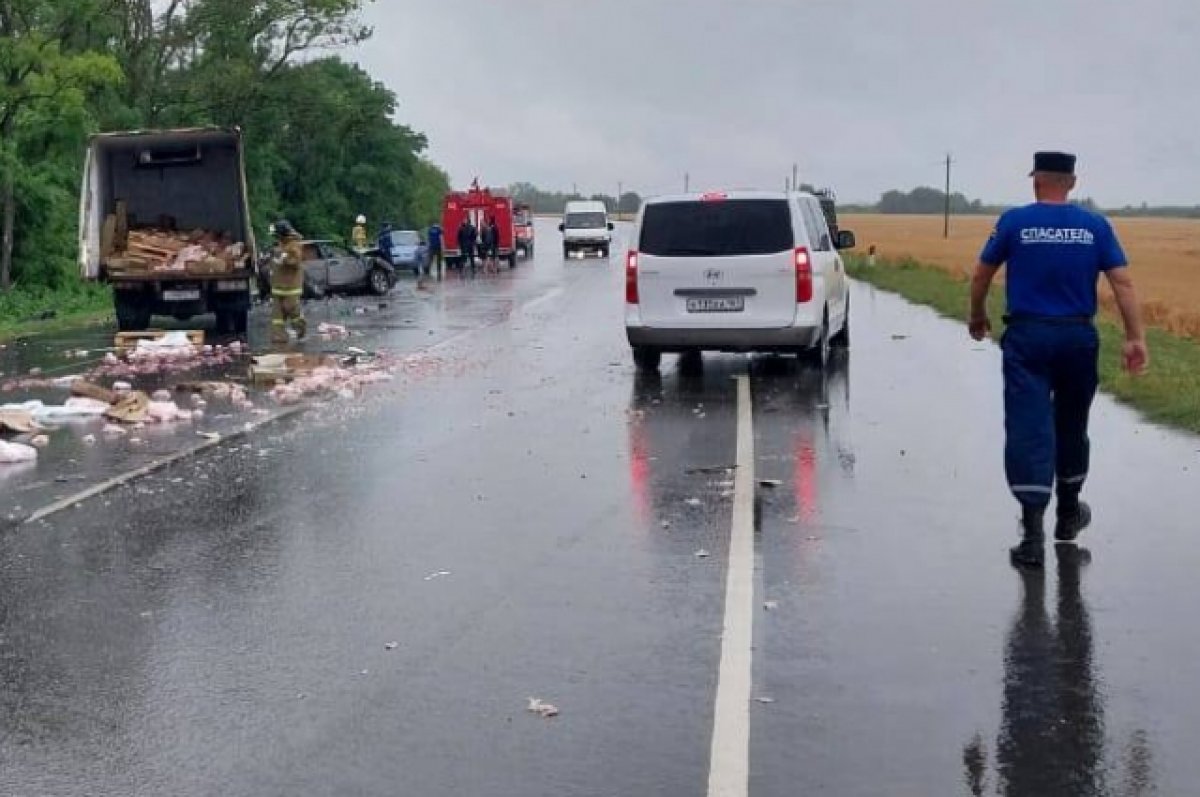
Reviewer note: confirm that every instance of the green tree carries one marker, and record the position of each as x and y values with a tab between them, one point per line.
322	143
42	83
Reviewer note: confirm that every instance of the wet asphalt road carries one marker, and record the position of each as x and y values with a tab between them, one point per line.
521	516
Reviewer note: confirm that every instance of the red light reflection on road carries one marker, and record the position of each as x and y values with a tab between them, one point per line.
639	471
805	457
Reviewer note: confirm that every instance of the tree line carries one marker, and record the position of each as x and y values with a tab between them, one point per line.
322	145
926	200
553	201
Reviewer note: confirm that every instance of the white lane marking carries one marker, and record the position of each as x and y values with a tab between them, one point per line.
550	295
108	485
729	759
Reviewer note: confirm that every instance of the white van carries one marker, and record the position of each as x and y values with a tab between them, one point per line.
586	228
738	271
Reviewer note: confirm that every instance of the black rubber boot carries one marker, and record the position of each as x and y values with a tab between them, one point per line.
1031	551
1072	519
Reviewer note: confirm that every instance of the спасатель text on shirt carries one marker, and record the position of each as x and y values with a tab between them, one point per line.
1057	235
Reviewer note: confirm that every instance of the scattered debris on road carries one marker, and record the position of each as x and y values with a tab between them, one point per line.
391	646
329	331
19	421
693	502
711	470
438	574
766	700
770	606
12	453
702	554
542	709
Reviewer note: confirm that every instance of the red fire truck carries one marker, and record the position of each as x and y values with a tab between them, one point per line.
479	205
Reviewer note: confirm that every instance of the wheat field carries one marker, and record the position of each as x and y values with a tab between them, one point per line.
1163	253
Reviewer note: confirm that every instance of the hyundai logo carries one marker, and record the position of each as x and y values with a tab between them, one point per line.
714	276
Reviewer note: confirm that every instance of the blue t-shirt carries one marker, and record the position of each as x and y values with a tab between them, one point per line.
1055	254
435	236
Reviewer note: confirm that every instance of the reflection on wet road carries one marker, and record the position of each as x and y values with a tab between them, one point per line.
365	605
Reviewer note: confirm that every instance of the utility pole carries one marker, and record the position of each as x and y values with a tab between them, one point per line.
946	225
620	193
795	177
687	182
574	190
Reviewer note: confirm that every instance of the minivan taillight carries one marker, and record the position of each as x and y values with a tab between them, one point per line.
631	277
804	276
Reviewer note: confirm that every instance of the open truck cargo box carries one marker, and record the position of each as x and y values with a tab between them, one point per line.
146	196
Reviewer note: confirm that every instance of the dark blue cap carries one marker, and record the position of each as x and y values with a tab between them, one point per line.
1054	162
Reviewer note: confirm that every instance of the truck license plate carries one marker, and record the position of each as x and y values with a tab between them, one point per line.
181	296
724	304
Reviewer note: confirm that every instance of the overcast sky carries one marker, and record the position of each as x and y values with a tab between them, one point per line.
865	95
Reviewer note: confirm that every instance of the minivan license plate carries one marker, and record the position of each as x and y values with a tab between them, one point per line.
724	304
180	296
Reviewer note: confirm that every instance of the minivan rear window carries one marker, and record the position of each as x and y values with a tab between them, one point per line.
717	229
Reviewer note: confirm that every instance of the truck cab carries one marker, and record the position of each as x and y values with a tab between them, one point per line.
164	218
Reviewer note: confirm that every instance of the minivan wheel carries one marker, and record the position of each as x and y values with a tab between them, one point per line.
842	339
646	359
818	354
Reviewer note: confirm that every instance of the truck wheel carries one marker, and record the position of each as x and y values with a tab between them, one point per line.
379	282
132	314
604	252
566	252
233	322
512	260
646	359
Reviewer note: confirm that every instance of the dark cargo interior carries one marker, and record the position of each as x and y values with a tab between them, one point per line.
180	181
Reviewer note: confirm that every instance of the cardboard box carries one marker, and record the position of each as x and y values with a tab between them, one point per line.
209	265
129	340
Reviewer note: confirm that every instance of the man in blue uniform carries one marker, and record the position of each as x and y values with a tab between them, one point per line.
436	257
1055	252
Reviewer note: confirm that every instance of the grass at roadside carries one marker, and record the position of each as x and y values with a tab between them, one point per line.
23	313
1168	393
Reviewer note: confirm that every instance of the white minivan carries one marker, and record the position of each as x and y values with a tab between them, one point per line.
736	271
586	228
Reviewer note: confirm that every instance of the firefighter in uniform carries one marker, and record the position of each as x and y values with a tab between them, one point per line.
287	285
1055	252
358	236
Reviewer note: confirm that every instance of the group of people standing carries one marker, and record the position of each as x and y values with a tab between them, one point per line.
476	245
482	242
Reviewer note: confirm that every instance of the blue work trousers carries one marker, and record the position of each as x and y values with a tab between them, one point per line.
1050	379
